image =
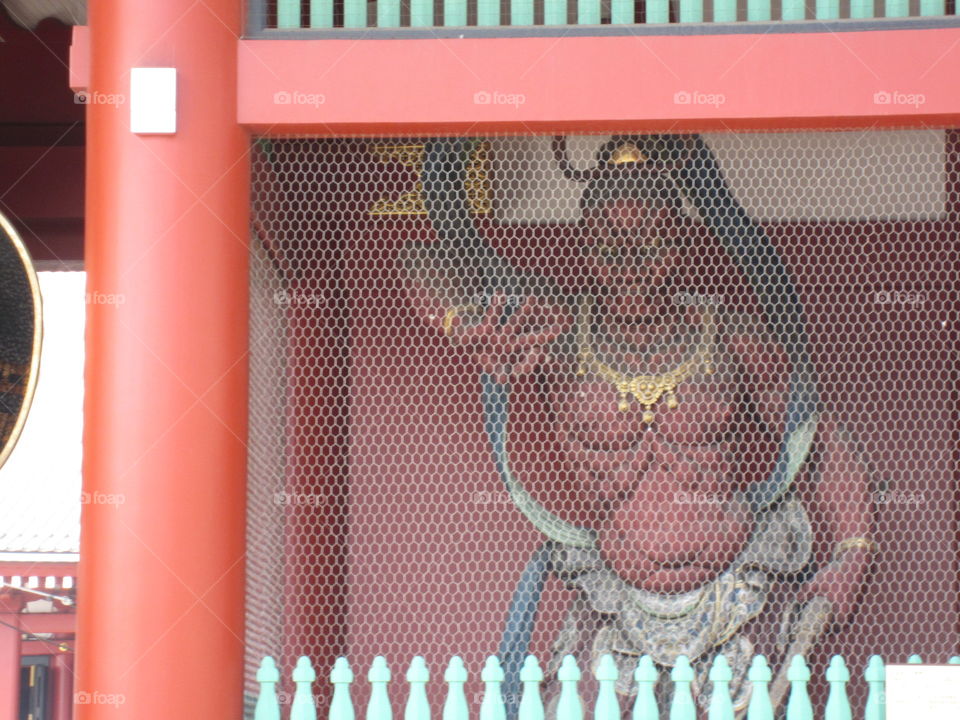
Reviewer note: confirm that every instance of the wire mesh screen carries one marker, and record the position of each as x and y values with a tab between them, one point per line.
636	395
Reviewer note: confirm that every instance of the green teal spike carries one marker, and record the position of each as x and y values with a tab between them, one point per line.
288	14
378	707
388	13
341	706
569	706
268	708
798	706
418	707
492	708
827	9
531	704
455	706
621	12
303	707
488	13
875	675
682	707
914	660
721	706
421	13
588	12
896	8
554	12
724	11
838	704
354	13
759	10
645	706
607	706
521	12
321	13
760	707
454	13
658	11
955	660
691	11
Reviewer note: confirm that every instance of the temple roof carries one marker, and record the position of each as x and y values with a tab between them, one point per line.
29	12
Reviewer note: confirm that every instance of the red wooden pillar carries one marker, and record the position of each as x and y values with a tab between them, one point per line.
9	657
160	626
62	666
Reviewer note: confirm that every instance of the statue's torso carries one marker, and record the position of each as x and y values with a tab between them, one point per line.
667	518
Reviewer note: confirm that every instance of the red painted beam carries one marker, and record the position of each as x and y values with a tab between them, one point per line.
655	83
35	623
46	647
12	568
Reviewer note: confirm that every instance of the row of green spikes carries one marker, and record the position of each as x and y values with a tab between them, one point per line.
569	706
588	12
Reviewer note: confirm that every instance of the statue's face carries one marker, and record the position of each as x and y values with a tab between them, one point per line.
633	245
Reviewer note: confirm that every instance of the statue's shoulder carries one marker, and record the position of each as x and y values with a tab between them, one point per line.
738	325
748	339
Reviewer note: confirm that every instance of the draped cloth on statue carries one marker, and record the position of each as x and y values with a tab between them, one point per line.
629	622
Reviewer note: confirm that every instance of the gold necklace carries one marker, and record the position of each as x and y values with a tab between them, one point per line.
646	389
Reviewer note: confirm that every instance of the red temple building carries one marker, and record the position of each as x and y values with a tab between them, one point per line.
369	348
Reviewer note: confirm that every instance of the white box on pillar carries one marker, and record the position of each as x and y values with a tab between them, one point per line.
153	101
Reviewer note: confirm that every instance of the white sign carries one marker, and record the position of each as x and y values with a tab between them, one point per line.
927	692
153	101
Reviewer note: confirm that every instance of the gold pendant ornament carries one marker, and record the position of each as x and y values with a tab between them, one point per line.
647	390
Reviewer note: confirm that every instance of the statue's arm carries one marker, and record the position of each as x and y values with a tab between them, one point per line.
459	284
840	503
838	497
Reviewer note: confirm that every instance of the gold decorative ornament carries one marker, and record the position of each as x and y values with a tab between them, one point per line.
627	153
853	543
647	390
452	313
411	202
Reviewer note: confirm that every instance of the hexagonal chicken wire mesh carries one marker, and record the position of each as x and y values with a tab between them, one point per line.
632	395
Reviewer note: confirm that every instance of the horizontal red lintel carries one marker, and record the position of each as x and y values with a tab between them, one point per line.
14	568
35	623
875	78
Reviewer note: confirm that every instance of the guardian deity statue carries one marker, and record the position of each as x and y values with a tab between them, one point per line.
710	505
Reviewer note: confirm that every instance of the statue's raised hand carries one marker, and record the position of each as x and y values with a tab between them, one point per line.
509	344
